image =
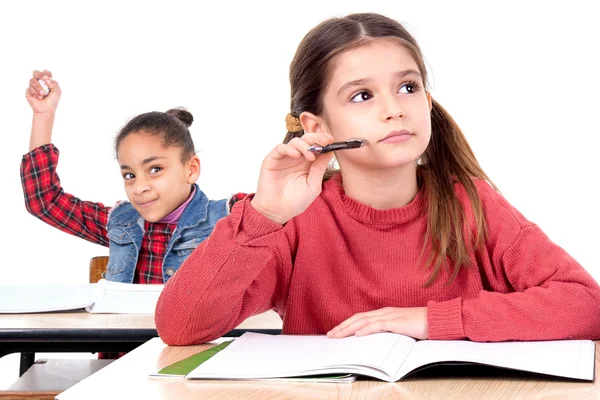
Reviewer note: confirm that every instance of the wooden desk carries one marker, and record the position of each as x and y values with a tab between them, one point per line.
85	332
127	378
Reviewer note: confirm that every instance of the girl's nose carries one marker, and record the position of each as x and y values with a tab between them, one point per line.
140	186
392	107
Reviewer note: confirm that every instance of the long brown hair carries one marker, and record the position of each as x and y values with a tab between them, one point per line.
448	158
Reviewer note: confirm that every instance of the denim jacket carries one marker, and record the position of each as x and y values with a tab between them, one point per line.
126	230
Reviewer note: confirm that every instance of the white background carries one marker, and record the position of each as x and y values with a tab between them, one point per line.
522	79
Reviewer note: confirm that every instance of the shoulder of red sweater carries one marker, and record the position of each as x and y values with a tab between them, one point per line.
495	205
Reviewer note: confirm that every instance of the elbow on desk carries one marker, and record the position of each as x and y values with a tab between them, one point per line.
177	329
170	330
593	312
175	335
580	318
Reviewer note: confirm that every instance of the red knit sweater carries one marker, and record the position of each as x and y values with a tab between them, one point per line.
341	257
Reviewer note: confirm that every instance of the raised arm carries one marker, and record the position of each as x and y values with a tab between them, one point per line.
44	196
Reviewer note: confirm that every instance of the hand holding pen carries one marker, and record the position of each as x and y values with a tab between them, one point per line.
291	175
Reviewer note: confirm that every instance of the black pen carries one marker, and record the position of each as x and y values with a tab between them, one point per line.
348	144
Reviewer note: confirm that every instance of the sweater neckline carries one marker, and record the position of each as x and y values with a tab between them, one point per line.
367	214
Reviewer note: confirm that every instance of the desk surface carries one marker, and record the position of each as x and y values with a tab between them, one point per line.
128	378
85	332
85	320
76	320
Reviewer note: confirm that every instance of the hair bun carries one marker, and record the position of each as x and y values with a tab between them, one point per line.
183	115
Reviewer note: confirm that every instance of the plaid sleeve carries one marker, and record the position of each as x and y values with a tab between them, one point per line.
234	199
46	199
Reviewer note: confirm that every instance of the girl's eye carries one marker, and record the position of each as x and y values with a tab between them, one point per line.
361	97
409	88
128	176
154	170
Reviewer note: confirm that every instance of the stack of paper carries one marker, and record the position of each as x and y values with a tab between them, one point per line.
102	297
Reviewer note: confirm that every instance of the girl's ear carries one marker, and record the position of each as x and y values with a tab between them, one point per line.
312	123
430	101
193	169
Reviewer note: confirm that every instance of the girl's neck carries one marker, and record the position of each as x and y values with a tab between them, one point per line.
174	215
382	190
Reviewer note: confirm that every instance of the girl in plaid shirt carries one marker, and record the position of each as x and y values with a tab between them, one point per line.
166	215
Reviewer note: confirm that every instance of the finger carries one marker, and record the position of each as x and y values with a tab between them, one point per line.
35	84
38	94
345	324
348	321
355	326
31	92
380	325
38	88
357	316
367	325
321	139
302	146
282	150
317	171
52	85
44	74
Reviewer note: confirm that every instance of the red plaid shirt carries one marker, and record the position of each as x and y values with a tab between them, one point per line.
46	199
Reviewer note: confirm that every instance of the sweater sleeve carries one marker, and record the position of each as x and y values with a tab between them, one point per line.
46	199
538	291
243	268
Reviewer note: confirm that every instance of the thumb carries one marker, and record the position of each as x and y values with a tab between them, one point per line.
317	170
52	85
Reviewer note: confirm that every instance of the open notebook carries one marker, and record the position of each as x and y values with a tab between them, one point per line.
387	356
102	297
183	367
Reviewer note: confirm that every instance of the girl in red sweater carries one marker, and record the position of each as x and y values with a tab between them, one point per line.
408	236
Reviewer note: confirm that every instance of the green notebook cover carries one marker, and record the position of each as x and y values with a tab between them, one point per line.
187	365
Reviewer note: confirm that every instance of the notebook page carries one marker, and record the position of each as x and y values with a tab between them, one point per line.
267	356
564	358
32	298
126	298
